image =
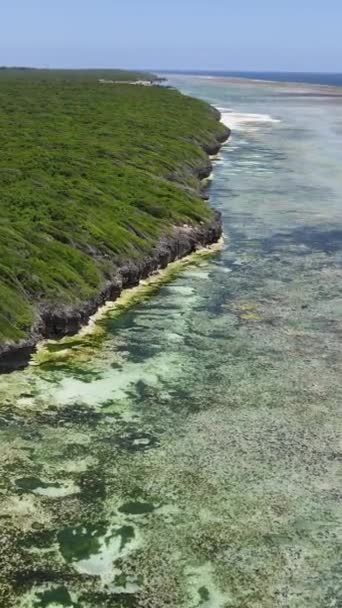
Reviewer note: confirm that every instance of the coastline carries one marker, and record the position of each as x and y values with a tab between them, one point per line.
58	322
127	299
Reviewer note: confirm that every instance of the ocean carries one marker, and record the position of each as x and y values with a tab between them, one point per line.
196	439
320	78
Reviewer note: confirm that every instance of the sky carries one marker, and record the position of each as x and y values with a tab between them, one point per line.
275	35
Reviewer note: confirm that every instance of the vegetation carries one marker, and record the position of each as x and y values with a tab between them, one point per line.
90	174
32	73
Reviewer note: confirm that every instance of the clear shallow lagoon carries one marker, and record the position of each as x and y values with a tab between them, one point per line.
190	454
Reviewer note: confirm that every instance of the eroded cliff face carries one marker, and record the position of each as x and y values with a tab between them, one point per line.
57	321
60	321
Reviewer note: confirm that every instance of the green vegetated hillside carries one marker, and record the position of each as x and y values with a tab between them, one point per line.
85	172
58	75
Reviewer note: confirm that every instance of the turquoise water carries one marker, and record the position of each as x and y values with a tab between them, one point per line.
188	453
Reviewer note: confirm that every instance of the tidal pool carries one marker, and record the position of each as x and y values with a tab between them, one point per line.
189	453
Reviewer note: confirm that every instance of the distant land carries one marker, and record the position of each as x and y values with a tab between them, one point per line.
67	74
321	78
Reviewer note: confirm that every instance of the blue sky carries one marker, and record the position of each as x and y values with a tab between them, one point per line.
188	34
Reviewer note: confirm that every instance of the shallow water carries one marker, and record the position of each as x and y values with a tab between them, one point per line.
188	454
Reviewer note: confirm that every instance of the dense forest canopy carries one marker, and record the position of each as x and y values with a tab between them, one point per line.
90	174
72	74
